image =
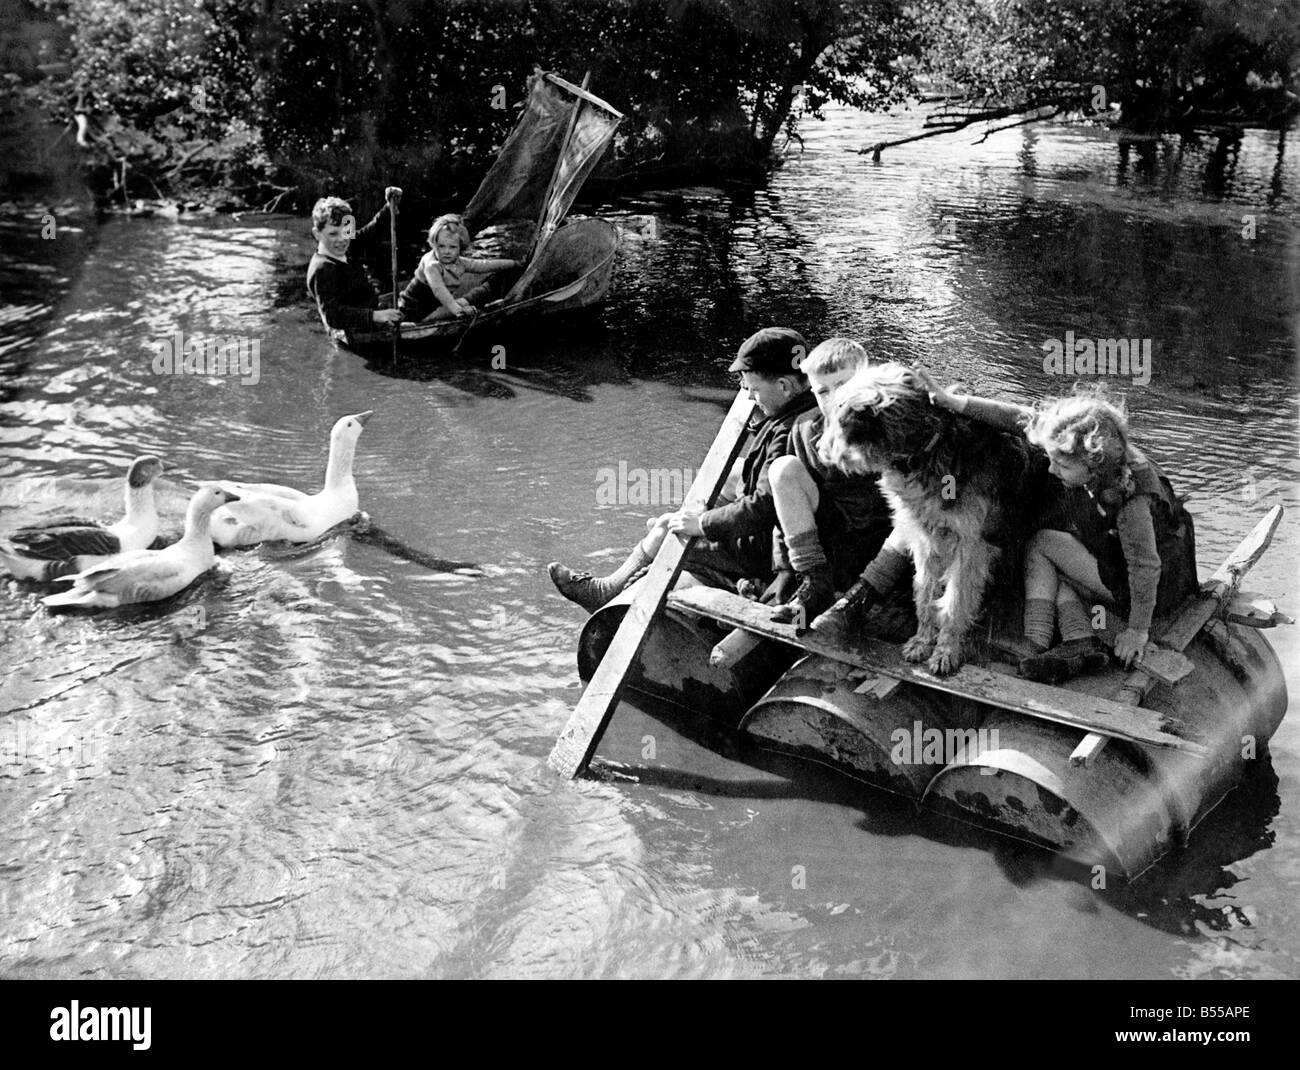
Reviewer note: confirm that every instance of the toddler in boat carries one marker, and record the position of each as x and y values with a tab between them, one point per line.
1119	535
737	534
831	523
448	279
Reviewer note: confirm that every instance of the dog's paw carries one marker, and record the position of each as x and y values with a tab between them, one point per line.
918	647
945	660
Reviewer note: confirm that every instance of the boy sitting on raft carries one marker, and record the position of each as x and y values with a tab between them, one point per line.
446	277
739	532
832	523
346	298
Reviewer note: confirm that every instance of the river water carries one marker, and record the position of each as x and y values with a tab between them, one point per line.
342	771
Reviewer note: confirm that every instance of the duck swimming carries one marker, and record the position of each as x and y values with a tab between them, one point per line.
45	552
269	511
150	575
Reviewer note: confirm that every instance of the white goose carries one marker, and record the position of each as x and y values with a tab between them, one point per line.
71	544
150	575
269	511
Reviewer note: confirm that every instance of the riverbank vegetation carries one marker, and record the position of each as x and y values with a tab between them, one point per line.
275	101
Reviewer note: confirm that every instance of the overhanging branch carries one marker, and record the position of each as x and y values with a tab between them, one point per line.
936	128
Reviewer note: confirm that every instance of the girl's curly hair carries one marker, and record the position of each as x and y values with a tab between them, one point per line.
1087	426
453	223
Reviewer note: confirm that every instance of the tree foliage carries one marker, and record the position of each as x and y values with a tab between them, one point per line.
338	94
1170	64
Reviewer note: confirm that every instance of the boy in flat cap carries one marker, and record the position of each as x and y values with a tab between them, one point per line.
738	533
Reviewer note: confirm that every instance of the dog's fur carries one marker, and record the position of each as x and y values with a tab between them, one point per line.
963	495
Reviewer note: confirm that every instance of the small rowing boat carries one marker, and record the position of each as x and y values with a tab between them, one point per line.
519	213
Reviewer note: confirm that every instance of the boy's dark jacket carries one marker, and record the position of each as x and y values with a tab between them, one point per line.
745	525
343	291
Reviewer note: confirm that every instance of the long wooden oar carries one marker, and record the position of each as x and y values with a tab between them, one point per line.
392	237
577	743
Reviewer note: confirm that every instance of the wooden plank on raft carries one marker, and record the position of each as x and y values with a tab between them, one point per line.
1195	614
981	685
577	743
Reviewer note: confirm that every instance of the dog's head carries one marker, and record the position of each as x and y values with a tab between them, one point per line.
878	418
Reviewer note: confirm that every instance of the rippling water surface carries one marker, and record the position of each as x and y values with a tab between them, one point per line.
343	773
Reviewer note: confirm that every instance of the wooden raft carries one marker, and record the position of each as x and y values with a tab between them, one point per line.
1086	712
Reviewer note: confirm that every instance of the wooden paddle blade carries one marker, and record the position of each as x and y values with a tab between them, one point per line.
577	743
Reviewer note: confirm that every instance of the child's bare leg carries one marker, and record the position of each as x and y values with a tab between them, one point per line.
655	533
1070	558
1049	556
731	487
796	496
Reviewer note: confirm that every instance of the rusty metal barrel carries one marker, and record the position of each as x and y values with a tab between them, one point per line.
674	663
1133	803
821	711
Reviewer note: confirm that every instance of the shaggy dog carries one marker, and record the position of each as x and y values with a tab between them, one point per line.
963	495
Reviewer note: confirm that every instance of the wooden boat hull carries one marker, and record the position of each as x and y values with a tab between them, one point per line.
575	272
1011	774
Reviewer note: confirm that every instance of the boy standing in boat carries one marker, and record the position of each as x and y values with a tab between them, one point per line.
832	523
739	532
346	298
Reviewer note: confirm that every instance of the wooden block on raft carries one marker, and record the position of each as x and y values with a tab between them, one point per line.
1089	747
878	687
1167	666
731	649
1089	712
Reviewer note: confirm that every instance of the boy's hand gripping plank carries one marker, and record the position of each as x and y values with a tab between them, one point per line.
577	743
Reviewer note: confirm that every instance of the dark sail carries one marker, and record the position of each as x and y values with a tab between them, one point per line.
518	184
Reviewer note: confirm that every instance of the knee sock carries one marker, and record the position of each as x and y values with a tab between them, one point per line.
636	561
886	570
1040	621
1073	620
805	551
